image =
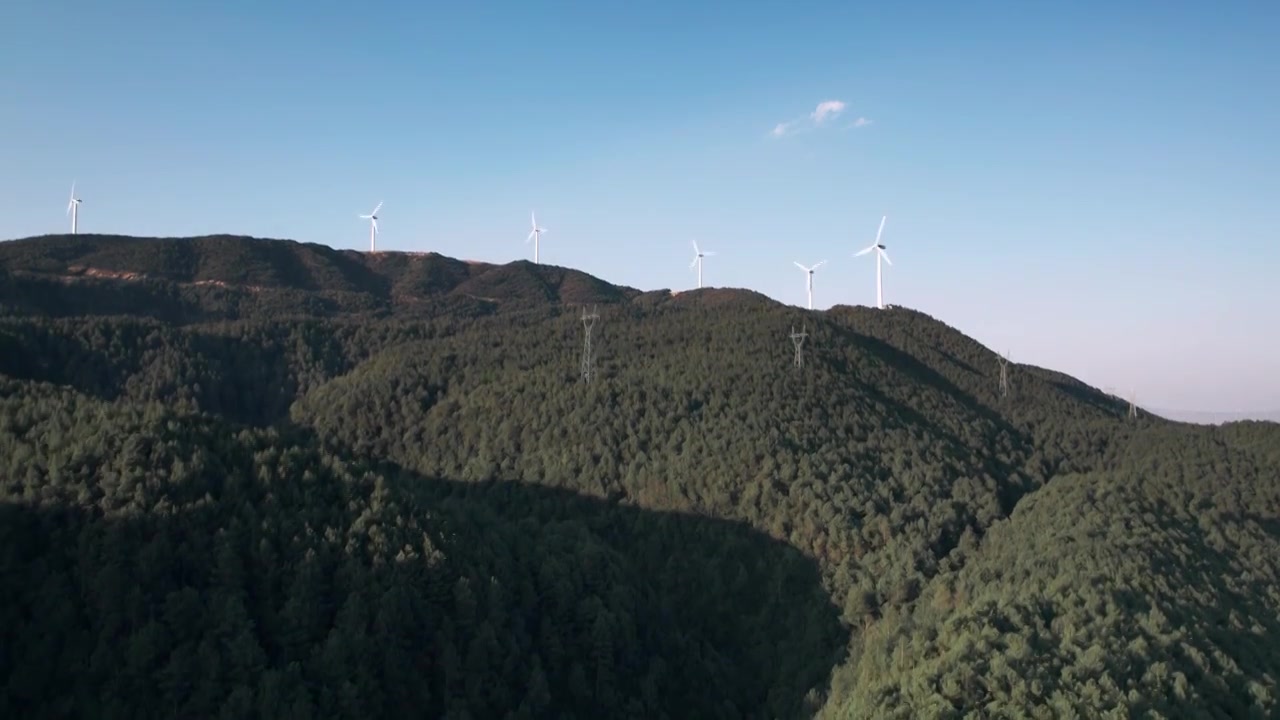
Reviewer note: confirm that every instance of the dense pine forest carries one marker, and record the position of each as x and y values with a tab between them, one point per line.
259	478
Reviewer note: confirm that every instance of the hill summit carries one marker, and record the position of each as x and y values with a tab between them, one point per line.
254	478
282	276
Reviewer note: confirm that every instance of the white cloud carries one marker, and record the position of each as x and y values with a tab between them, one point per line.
826	111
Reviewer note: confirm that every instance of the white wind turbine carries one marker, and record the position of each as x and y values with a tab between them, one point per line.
880	255
697	261
809	272
73	209
535	235
373	227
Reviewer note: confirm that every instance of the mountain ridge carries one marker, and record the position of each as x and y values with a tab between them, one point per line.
923	543
257	264
355	282
384	275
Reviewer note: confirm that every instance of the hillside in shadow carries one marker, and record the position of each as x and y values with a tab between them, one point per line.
255	575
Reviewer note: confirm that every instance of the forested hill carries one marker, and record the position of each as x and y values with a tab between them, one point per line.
250	478
227	277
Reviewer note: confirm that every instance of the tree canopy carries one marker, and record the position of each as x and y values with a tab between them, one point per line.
256	478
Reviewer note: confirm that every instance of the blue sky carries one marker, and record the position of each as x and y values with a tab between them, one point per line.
1092	186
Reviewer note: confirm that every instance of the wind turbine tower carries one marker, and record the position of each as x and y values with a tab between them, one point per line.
1133	405
809	274
73	209
373	227
535	234
880	255
697	261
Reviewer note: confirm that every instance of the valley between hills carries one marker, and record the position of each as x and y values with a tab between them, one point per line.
258	478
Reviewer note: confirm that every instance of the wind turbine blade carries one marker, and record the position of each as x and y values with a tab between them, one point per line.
375	210
375	226
532	235
69	204
693	264
885	255
864	251
824	262
882	219
709	253
802	267
533	220
696	251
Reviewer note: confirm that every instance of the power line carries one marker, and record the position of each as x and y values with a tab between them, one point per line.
1004	375
797	339
588	367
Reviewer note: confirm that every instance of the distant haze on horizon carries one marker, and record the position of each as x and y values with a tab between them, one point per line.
1091	186
1214	418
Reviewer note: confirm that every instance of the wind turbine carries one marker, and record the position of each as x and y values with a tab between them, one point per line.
880	255
373	227
697	261
809	271
535	234
73	209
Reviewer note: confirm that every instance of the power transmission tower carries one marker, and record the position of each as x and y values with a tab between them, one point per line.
797	339
588	369
1004	375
